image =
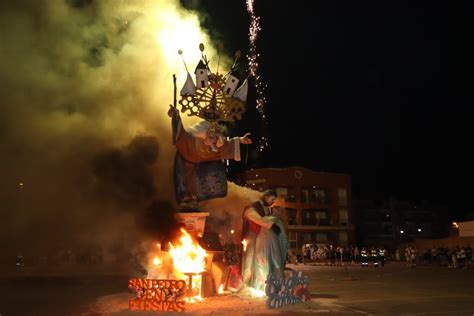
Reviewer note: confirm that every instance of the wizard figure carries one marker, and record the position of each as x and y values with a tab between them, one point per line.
199	171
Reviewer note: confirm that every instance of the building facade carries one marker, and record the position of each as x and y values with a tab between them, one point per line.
393	222
318	204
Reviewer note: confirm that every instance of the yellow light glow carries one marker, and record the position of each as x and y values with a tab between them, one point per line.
244	242
179	33
232	231
156	261
257	293
188	256
221	289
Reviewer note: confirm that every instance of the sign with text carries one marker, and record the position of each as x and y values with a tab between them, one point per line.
283	291
157	295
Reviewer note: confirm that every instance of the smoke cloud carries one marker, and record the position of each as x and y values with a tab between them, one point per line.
85	142
226	213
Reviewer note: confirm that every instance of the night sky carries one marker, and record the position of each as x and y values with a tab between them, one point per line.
382	91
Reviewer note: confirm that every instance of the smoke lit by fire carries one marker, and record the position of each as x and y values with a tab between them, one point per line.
78	77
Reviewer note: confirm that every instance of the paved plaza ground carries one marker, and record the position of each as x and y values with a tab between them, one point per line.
394	290
391	290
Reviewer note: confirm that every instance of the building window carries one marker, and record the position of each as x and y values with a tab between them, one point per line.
314	195
369	215
370	229
292	238
343	239
308	217
342	196
307	237
319	196
321	237
287	193
387	229
343	217
291	216
315	217
305	194
291	196
321	218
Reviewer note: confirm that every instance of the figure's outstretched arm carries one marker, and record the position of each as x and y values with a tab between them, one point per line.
245	139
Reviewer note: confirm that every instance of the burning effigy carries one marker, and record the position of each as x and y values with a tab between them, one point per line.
194	265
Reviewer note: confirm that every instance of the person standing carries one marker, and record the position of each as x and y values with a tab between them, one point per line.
364	257
413	254
382	255
374	257
356	255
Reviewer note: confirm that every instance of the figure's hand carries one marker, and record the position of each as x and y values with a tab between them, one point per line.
173	112
245	139
275	229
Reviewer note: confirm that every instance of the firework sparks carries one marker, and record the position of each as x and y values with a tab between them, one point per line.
252	58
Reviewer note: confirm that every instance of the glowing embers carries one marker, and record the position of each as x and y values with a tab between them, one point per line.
157	295
257	293
221	289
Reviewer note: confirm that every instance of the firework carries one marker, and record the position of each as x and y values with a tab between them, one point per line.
252	58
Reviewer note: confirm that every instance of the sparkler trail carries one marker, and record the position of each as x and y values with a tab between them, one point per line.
252	58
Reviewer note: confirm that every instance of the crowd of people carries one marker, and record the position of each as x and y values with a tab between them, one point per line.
331	255
452	257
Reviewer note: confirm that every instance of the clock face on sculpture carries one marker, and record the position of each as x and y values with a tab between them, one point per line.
214	97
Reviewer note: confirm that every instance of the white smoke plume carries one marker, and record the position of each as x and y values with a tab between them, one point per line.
84	90
226	213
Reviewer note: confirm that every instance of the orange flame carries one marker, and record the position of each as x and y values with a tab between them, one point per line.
189	261
188	256
156	261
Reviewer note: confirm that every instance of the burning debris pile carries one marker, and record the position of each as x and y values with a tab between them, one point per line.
182	259
165	288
